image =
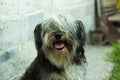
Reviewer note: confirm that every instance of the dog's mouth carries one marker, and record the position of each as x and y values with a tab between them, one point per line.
59	45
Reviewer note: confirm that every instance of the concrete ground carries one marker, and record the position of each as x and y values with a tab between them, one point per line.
98	68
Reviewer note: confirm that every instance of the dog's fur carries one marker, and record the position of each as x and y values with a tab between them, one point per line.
59	42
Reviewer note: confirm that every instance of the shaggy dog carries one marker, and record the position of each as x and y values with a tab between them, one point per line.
60	54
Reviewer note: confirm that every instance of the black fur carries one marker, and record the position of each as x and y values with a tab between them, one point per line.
40	68
37	37
80	57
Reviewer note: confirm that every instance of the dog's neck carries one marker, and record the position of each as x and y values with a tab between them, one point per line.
47	65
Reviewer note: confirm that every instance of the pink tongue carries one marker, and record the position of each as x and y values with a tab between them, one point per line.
59	45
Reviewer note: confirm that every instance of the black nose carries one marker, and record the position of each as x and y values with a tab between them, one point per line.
58	34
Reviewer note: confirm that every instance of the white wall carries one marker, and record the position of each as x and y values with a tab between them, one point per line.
17	22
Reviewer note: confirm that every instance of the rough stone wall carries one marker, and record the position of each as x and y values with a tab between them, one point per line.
17	22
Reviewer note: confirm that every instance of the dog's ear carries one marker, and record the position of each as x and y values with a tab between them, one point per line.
81	35
37	37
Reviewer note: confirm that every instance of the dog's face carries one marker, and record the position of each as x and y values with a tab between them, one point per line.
59	39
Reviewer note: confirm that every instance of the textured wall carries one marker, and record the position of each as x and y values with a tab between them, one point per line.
17	22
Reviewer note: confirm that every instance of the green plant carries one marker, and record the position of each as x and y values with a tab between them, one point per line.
114	57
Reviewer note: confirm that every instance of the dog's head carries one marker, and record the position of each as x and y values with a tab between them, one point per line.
59	39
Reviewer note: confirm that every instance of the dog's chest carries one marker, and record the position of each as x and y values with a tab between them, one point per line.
75	72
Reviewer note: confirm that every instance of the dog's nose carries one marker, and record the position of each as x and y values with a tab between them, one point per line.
58	34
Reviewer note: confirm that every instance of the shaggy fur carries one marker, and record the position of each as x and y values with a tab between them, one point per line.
59	42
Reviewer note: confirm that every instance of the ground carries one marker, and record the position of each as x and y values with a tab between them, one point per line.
98	66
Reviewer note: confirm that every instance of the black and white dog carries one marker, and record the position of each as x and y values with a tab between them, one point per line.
59	42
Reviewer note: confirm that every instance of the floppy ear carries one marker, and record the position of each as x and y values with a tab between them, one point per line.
80	57
37	37
81	35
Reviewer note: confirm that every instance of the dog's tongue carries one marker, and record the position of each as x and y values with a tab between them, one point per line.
59	45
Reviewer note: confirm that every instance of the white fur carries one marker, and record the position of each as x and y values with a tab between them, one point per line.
75	72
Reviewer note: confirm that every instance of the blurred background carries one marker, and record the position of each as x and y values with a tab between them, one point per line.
18	19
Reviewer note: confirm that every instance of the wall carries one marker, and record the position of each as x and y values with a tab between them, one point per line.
17	22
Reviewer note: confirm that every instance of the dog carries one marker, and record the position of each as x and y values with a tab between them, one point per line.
59	41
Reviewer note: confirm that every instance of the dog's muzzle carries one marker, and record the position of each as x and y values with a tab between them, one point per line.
59	44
